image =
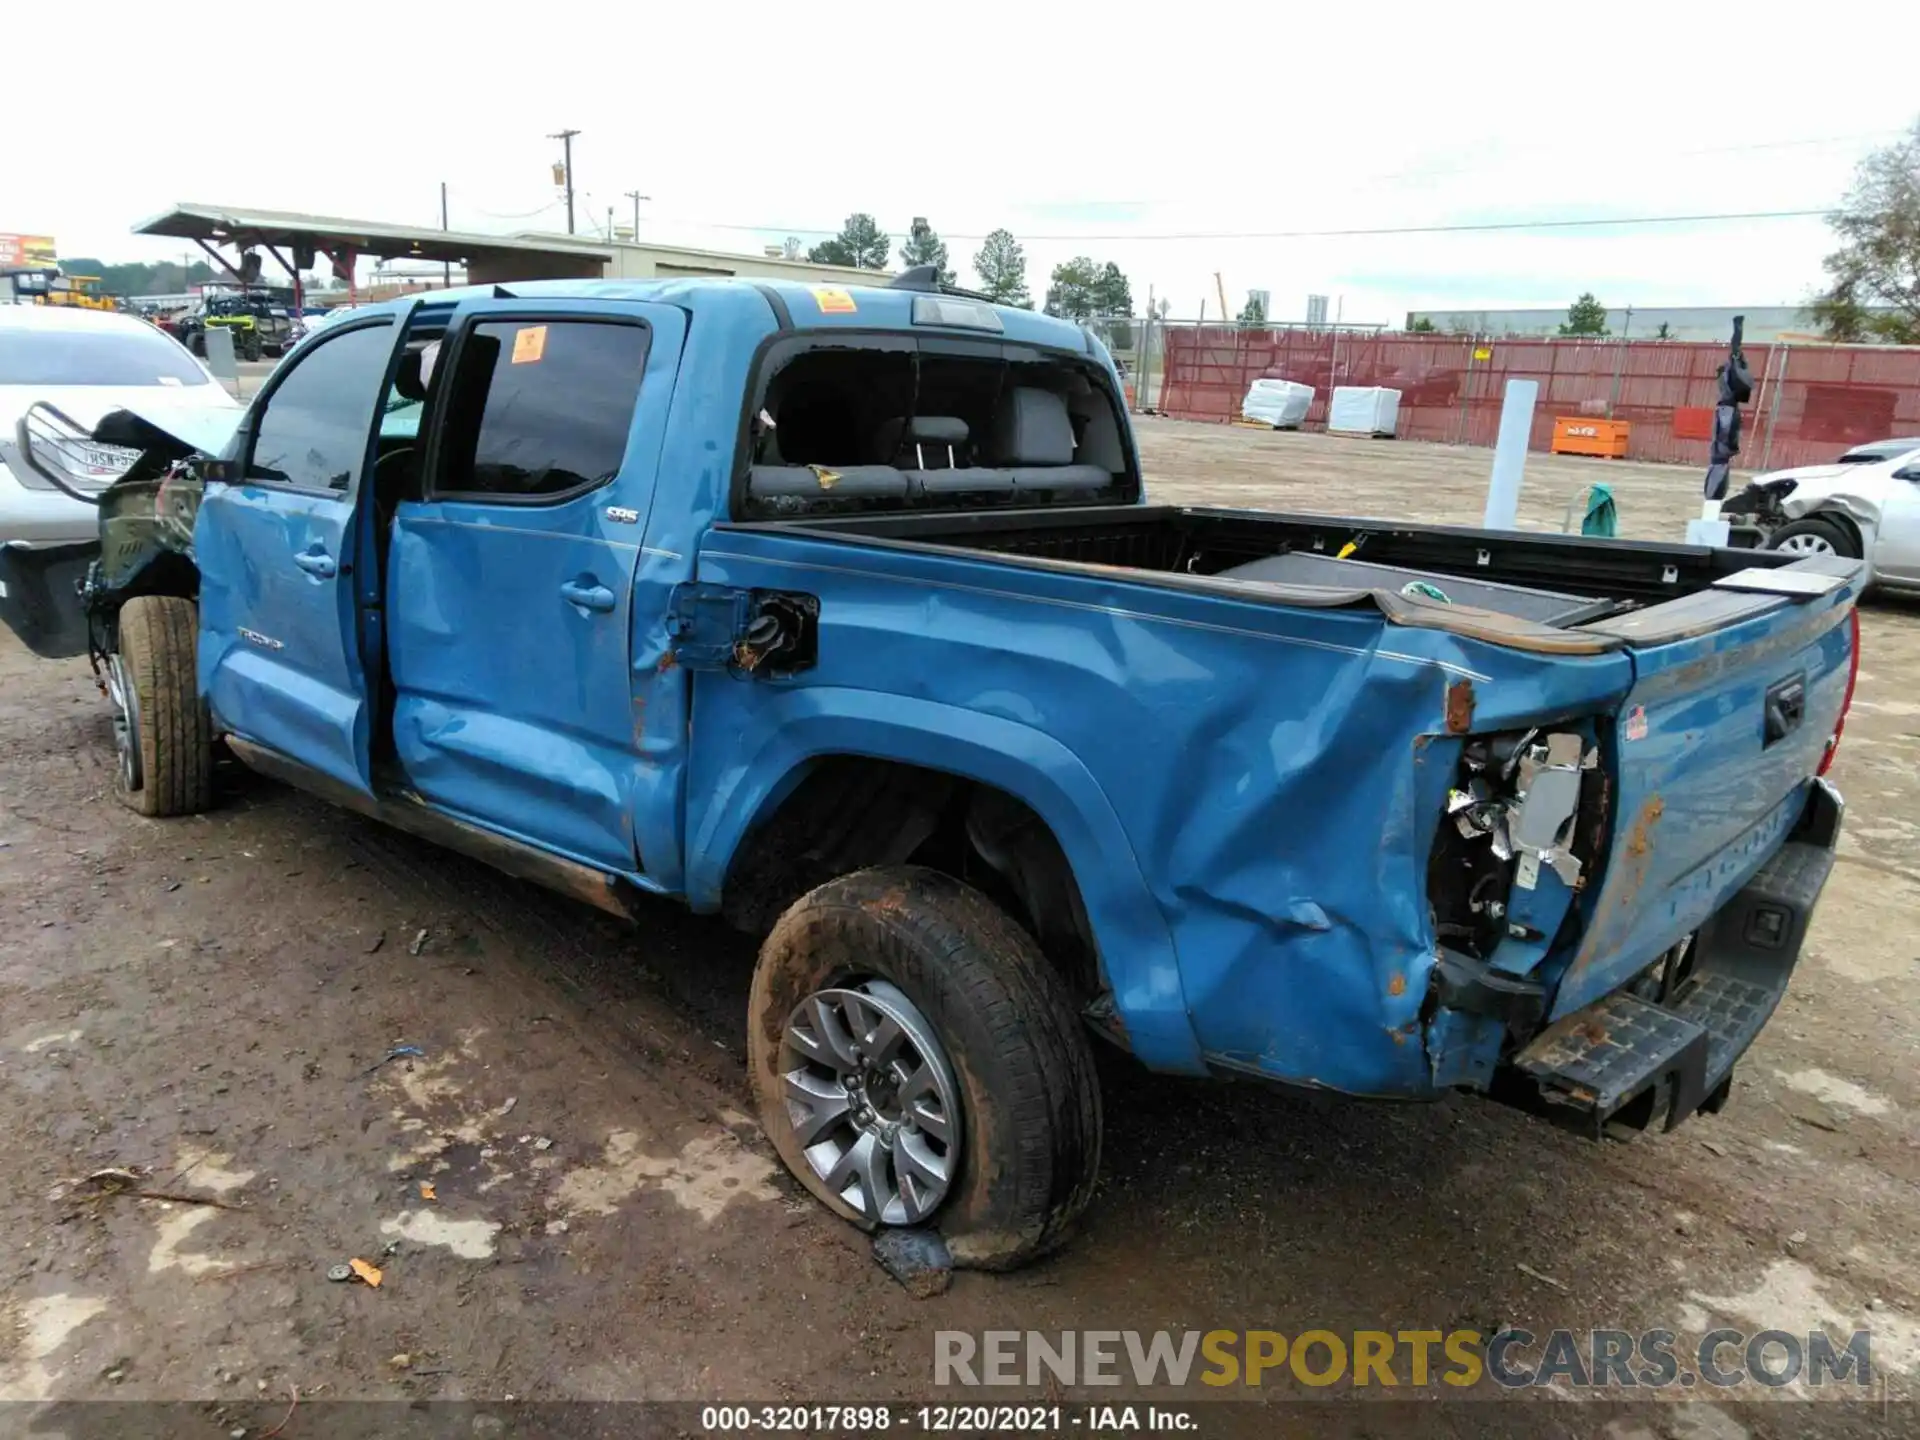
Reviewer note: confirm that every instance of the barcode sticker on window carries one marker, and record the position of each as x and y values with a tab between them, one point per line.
529	345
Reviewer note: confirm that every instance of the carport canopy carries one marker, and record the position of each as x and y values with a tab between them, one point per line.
293	239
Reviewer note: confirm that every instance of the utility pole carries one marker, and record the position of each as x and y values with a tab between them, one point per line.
565	137
446	266
636	197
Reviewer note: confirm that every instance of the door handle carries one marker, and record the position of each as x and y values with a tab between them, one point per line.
1786	707
317	562
587	593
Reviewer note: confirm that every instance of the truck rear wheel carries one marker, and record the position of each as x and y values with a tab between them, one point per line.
917	1061
161	730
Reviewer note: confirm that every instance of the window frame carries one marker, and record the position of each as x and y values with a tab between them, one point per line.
456	348
263	404
782	347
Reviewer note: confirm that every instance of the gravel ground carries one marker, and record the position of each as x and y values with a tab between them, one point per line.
216	998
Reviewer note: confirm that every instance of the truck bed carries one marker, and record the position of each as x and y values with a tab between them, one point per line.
1292	733
1563	593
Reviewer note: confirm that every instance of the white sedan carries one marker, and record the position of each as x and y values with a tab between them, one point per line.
1862	508
85	363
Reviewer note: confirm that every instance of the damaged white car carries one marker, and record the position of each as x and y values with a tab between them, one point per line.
1861	508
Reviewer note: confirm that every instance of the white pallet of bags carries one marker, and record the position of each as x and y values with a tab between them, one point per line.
1283	404
1363	410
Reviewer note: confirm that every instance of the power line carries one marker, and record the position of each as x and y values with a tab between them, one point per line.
518	214
1528	155
1478	227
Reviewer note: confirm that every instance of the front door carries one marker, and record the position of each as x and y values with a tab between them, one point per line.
1896	550
510	583
277	547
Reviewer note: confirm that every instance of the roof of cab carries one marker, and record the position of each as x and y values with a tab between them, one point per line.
810	307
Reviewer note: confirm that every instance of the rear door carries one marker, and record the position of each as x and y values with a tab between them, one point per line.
277	548
510	586
1711	754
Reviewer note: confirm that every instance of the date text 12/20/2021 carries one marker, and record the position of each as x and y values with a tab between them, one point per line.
1090	1420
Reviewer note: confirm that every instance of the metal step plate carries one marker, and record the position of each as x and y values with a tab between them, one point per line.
1731	1011
1597	1060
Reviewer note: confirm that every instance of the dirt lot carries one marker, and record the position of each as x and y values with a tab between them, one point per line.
214	998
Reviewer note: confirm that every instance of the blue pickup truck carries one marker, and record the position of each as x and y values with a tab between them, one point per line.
844	614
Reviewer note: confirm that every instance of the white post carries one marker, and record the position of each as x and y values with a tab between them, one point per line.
1510	455
219	342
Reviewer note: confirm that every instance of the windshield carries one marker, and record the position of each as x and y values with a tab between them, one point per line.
1879	450
107	356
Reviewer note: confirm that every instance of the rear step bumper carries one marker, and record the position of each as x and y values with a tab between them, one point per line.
1631	1061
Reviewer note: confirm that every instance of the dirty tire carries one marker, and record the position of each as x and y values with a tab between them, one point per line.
158	639
1820	528
1029	1095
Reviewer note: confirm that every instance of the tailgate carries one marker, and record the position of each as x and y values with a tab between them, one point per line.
1736	694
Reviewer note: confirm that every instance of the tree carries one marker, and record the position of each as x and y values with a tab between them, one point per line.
1071	292
1586	316
792	247
1112	292
1085	290
1002	267
1254	312
136	277
1665	332
1840	316
924	247
1422	326
1115	298
1874	289
860	243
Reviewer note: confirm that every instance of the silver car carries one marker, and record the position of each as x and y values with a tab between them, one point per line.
85	363
1865	506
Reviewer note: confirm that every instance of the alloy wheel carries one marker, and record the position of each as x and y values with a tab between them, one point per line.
126	722
872	1101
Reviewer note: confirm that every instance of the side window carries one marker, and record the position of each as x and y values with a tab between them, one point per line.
540	408
313	434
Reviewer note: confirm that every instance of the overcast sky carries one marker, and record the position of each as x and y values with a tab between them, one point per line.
1081	128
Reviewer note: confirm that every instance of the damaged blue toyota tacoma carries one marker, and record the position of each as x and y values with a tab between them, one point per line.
845	614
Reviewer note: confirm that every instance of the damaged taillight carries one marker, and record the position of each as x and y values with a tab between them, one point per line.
1515	810
1846	703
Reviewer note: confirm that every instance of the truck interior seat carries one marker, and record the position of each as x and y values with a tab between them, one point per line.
924	442
768	481
1033	435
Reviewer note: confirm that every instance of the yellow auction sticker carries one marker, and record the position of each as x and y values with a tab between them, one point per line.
833	302
529	345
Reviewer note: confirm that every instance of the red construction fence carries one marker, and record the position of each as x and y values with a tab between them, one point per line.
1810	401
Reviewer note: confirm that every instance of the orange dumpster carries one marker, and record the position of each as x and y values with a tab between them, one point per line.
1581	435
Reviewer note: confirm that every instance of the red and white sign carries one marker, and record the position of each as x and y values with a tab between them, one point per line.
34	252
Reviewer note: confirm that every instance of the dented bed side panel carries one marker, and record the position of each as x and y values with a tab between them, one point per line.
1247	793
